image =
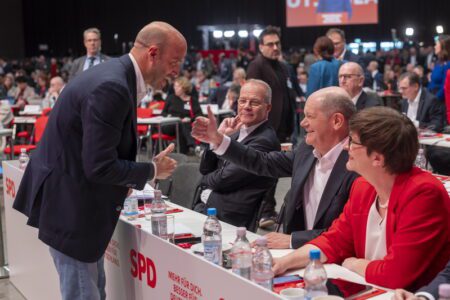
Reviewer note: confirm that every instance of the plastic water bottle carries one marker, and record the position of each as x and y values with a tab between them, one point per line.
421	161
130	208
262	273
23	158
241	254
212	238
444	291
159	218
315	276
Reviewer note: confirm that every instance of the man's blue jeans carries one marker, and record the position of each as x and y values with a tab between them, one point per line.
79	280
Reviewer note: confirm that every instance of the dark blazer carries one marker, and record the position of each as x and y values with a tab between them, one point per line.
366	100
78	177
322	73
174	106
433	287
78	64
350	56
298	164
237	194
275	75
218	96
430	113
368	80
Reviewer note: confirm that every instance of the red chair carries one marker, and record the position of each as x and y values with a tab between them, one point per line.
39	128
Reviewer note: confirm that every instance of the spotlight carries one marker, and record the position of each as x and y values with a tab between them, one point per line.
440	29
218	34
243	33
257	32
409	31
228	33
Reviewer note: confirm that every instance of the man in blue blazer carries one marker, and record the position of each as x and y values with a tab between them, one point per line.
320	181
76	181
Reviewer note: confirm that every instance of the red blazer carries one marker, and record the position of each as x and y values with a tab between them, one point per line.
417	231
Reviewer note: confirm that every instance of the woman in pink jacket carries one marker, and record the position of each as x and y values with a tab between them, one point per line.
395	228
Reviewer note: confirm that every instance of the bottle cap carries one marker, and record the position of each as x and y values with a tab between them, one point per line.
421	151
241	231
444	290
314	254
23	150
211	211
261	241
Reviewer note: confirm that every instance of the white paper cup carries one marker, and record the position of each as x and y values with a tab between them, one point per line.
293	293
286	147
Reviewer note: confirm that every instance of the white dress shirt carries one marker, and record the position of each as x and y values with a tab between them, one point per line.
413	107
317	180
355	99
374	84
141	90
375	234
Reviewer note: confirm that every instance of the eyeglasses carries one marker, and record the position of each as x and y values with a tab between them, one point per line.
348	76
273	44
351	141
253	103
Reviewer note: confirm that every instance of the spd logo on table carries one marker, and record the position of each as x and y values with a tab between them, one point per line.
141	265
10	187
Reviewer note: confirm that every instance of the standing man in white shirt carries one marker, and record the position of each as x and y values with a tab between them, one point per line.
93	44
421	107
320	181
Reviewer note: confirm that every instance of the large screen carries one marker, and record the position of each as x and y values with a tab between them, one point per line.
330	12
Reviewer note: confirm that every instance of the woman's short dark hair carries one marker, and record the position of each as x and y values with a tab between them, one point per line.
386	131
324	47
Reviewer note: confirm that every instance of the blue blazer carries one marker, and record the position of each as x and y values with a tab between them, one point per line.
78	177
323	73
335	6
442	277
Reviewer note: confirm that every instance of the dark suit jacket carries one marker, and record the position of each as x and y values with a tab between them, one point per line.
78	177
433	287
218	96
237	194
430	113
368	80
268	71
298	164
366	100
78	64
350	56
175	107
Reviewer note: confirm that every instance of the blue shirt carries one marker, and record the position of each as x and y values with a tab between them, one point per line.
335	6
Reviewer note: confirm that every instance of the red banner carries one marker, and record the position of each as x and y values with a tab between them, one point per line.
330	12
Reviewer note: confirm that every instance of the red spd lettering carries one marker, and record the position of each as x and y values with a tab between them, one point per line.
10	187
142	265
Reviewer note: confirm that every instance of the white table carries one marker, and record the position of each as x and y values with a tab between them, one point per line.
440	141
138	265
160	122
24	120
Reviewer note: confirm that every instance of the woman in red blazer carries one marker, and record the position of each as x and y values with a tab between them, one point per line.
395	228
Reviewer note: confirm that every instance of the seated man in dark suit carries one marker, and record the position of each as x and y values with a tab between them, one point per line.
220	94
421	107
236	193
374	79
320	181
351	79
429	292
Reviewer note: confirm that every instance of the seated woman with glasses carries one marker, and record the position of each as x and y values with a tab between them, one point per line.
394	230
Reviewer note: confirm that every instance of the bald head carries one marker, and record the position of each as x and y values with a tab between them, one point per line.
159	33
334	100
56	84
351	78
159	50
